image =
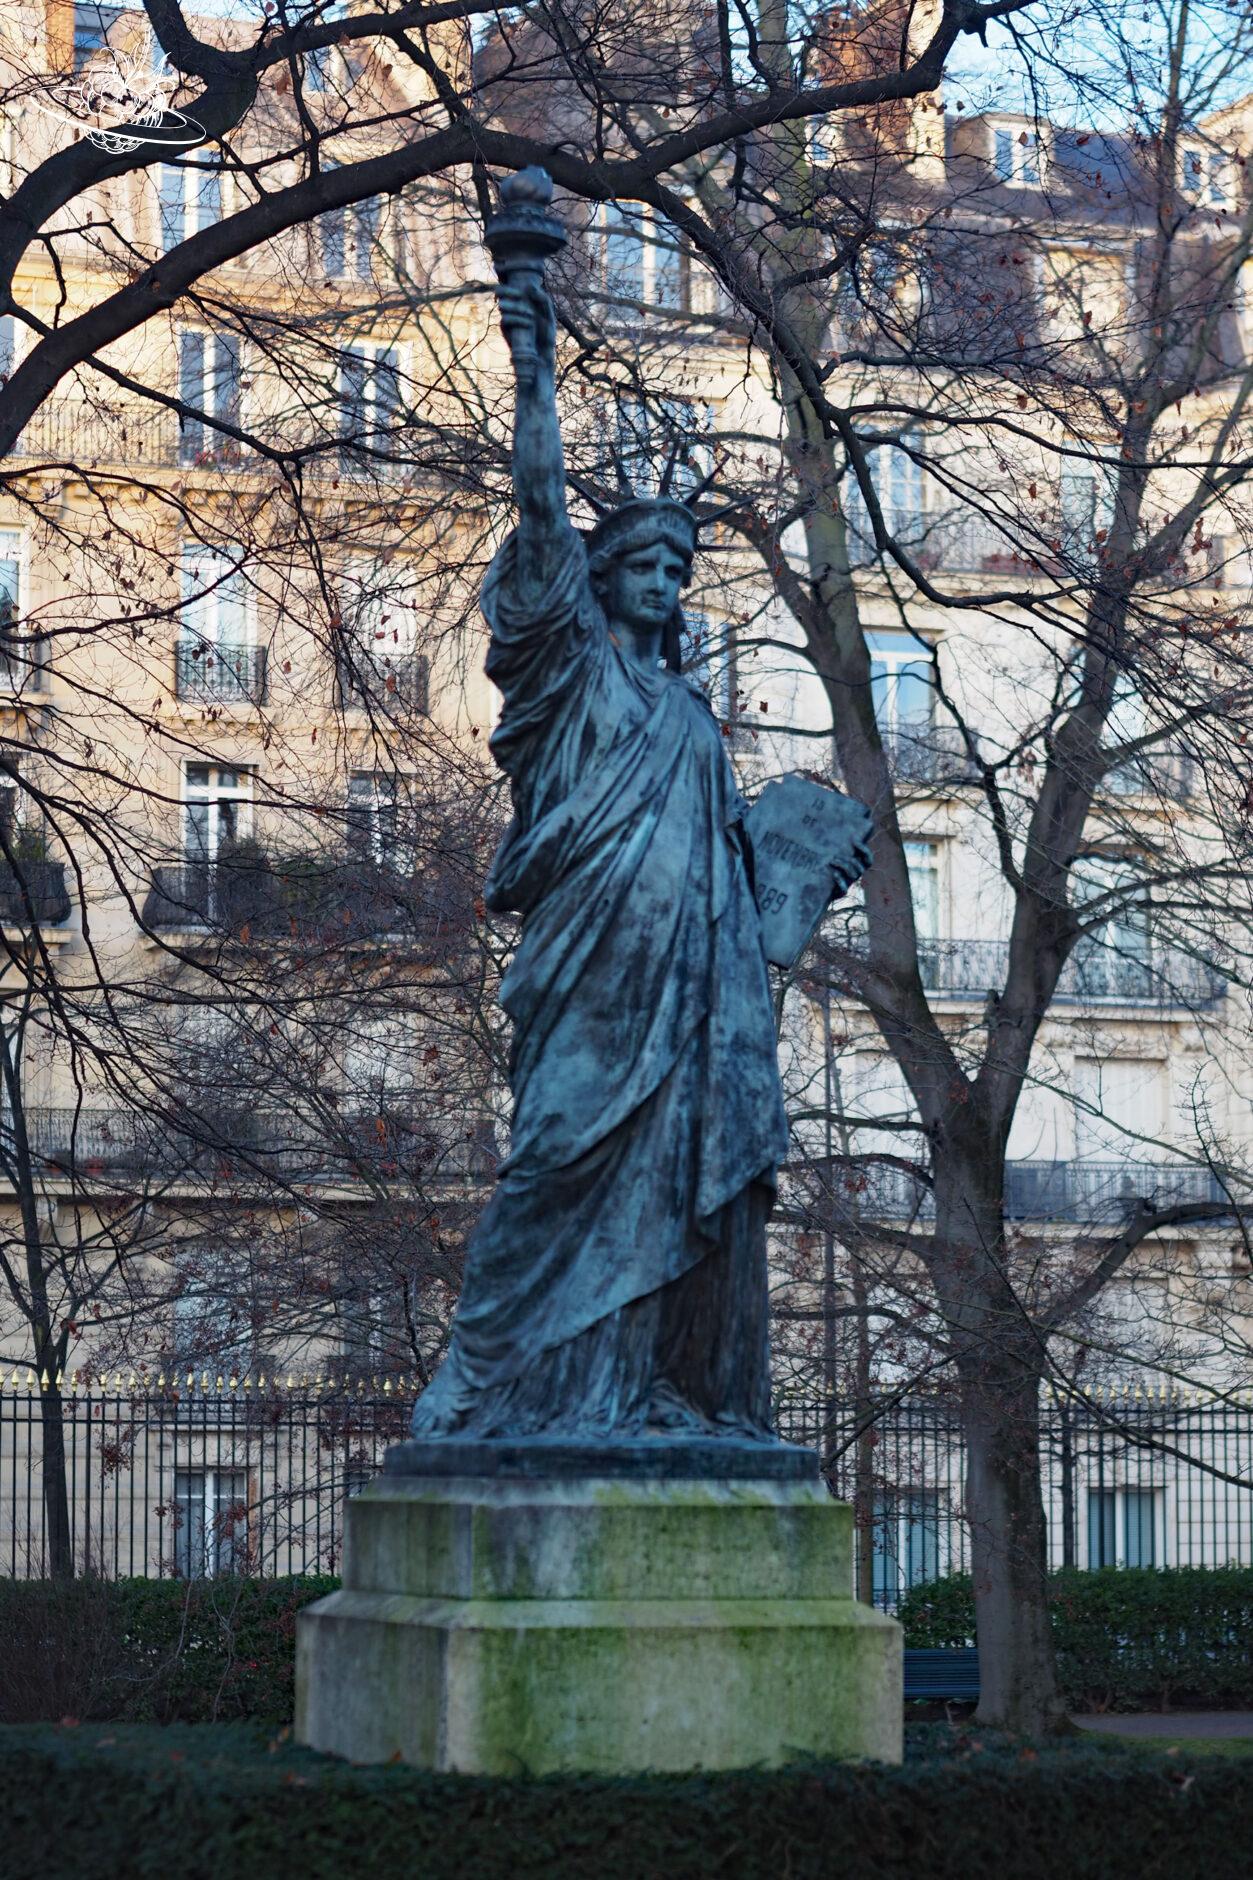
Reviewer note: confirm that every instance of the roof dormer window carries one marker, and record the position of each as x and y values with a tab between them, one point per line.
1205	177
1016	155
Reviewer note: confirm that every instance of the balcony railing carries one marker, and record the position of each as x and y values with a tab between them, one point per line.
220	674
1165	771
313	900
960	542
33	888
928	754
382	681
71	431
1163	976
389	1141
1078	1193
23	666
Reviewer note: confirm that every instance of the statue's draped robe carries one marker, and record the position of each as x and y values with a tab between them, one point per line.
616	1281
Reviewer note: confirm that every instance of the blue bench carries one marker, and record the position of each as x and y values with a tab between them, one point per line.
952	1673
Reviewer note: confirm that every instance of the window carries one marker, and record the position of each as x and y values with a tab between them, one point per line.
318	62
901	686
333	240
379	1059
208	381
1015	156
1114	959
1087	508
210	1522
708	654
661	443
369	402
638	256
374	817
10	580
348	237
189	200
906	1543
365	234
896	477
1123	1527
215	657
1205	177
8	346
1120	1109
204	1329
922	859
92	25
379	661
217	810
19	665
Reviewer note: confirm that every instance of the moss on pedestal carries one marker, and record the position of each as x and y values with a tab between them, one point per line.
553	1627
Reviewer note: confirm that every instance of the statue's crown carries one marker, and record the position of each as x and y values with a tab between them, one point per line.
639	524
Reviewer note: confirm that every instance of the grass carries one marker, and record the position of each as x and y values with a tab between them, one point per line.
1179	1745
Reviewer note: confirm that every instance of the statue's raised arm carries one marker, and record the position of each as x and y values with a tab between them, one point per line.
520	238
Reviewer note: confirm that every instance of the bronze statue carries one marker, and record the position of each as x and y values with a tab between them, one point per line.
616	1284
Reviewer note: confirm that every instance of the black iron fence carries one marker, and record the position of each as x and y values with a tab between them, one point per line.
1130	1478
200	1473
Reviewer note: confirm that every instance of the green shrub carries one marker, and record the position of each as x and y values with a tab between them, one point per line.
151	1650
130	1804
1126	1637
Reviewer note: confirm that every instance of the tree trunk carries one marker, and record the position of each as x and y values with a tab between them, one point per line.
1009	1562
59	1551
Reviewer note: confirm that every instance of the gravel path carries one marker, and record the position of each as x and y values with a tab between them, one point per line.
1173	1723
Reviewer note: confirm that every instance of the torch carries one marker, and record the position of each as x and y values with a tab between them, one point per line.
520	237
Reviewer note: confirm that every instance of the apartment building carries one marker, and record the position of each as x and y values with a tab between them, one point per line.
294	704
244	816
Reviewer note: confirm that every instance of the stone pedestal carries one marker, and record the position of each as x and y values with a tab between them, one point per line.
555	1615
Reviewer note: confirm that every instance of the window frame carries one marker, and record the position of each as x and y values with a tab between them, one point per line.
1111	1504
894	1570
215	794
213	1560
357	438
204	391
188	214
645	238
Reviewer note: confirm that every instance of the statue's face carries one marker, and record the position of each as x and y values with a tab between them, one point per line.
640	590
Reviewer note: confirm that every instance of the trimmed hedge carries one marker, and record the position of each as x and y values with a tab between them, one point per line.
159	1651
1127	1638
132	1804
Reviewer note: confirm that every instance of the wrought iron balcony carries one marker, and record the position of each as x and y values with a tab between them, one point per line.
383	681
327	901
1097	1192
957	541
1093	974
388	1141
220	674
23	665
1076	1193
74	432
1162	771
33	889
929	754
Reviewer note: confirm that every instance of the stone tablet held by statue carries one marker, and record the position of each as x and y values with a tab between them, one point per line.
809	846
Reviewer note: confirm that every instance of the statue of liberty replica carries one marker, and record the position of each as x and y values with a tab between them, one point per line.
616	1285
593	1553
